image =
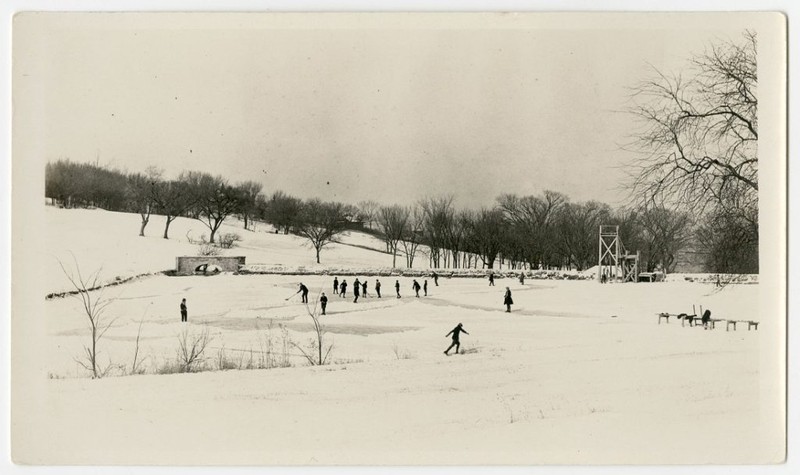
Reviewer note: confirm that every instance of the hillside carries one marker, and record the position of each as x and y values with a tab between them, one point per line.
109	241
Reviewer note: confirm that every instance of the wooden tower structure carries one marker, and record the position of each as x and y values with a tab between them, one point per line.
613	259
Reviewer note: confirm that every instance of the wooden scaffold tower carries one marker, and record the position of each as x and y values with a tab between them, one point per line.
613	260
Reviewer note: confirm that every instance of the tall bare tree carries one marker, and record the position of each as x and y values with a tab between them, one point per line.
699	130
393	221
90	292
216	200
320	223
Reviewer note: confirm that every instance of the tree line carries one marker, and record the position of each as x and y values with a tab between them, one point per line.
546	231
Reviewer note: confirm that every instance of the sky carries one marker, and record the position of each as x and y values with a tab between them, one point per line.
363	110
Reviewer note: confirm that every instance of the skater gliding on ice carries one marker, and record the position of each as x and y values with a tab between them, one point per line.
455	332
343	288
416	287
491	278
435	279
397	287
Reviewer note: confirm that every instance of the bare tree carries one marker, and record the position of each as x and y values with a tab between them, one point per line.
699	131
216	200
320	223
393	221
282	211
90	292
140	192
487	233
174	198
438	214
412	234
318	349
249	192
368	212
191	349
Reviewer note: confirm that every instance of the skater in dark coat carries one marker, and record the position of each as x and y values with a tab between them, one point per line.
416	287
378	287
435	279
364	288
323	302
507	301
343	288
184	311
425	287
304	291
455	332
397	287
356	290
491	278
522	278
335	285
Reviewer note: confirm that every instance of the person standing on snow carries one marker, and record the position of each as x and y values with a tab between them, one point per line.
323	302
397	287
425	287
378	287
343	288
491	278
455	332
335	285
184	311
507	301
356	289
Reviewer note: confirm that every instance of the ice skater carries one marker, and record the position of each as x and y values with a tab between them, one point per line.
416	287
378	287
343	289
507	301
425	287
435	279
397	287
356	289
455	332
304	291
323	302
184	311
364	288
491	278
335	285
522	278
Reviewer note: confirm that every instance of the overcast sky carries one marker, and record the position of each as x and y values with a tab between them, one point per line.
390	114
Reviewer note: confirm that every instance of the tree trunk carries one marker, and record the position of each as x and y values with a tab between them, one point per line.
166	228
144	223
317	262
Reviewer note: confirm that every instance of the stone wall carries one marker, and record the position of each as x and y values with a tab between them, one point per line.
186	265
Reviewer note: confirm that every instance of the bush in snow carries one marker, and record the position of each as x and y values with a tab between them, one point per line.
229	240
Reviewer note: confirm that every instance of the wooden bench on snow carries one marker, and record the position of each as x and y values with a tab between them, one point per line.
750	324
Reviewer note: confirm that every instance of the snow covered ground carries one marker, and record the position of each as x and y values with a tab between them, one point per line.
578	373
